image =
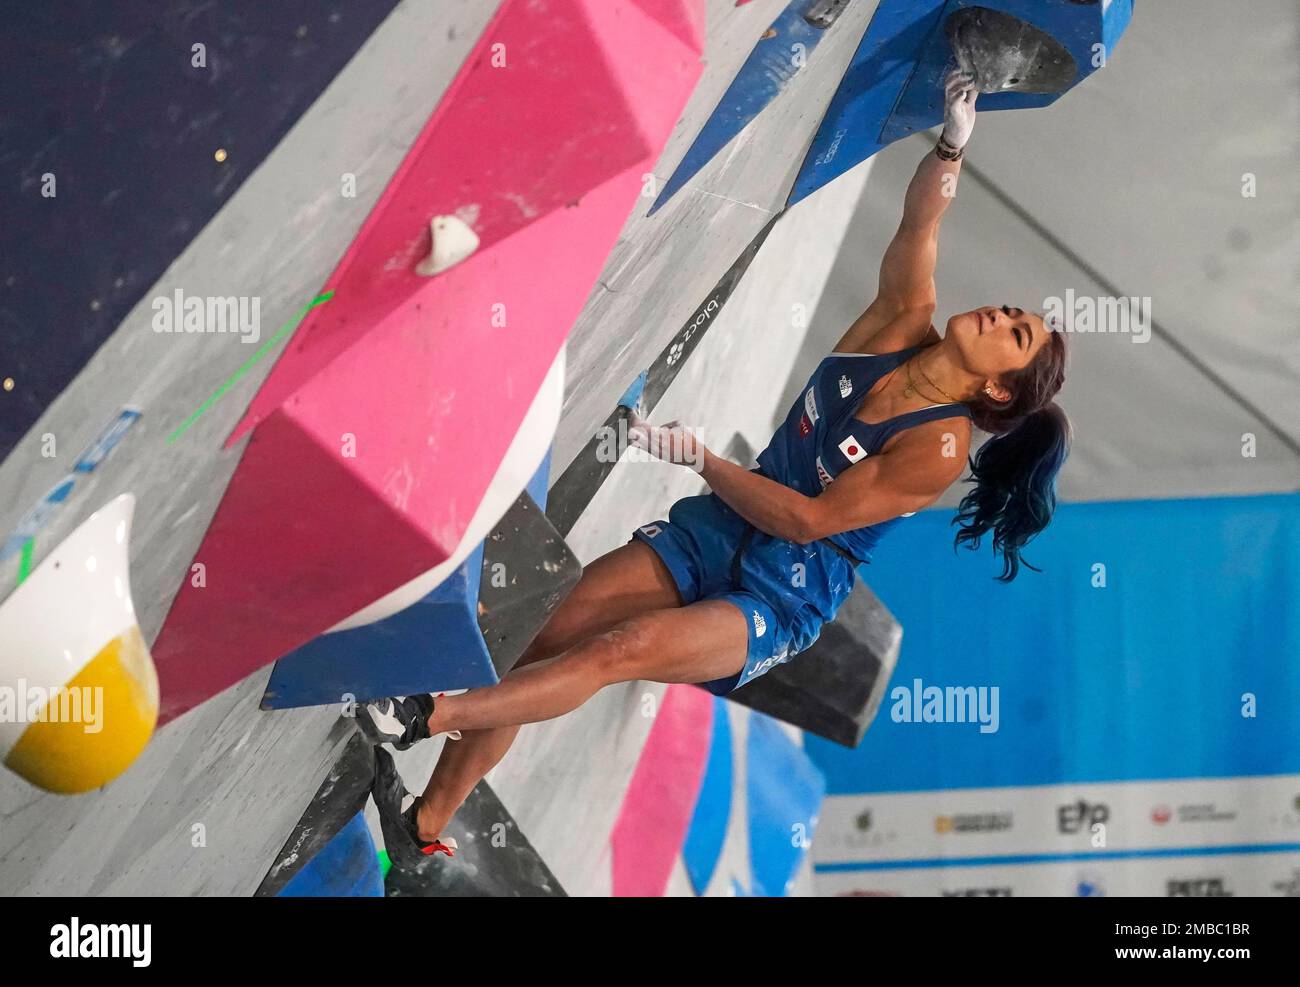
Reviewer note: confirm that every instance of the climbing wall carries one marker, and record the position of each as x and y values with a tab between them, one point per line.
214	797
180	819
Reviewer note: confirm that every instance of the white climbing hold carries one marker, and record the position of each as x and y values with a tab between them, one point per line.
453	241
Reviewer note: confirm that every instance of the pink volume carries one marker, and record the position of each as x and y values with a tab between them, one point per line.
540	145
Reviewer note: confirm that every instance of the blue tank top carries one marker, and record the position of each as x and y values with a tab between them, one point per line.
820	437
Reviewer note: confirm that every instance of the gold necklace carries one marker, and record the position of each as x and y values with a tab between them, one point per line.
911	387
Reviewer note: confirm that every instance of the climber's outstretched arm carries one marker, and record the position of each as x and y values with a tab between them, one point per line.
905	294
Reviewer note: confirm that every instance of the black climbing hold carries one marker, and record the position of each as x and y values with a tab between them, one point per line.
340	797
834	688
823	13
528	570
493	859
1007	54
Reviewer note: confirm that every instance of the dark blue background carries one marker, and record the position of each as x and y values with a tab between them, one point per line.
103	95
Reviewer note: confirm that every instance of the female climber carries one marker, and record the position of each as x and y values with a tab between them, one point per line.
743	578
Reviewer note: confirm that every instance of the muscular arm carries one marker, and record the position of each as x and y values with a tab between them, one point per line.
911	475
900	315
907	270
771	507
905	298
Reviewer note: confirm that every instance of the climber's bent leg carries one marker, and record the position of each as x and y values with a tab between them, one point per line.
700	642
620	584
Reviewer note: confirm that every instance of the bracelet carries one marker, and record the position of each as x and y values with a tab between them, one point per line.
946	151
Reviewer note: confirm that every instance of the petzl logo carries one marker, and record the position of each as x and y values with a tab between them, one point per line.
1197	887
997	892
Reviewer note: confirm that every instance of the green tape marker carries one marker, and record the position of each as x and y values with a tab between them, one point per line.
25	560
266	348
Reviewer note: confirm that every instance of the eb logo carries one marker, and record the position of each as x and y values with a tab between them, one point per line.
1081	815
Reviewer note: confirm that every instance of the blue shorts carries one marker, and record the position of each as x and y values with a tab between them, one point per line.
785	590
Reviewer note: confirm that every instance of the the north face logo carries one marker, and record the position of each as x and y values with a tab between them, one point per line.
805	426
760	625
846	386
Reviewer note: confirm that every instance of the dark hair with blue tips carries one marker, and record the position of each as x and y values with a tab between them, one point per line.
1014	472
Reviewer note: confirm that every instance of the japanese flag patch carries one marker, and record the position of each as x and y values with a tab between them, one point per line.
852	449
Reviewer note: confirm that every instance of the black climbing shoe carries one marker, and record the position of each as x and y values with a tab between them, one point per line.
397	817
400	721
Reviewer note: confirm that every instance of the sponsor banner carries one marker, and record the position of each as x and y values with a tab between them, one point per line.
1060	819
1192	875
